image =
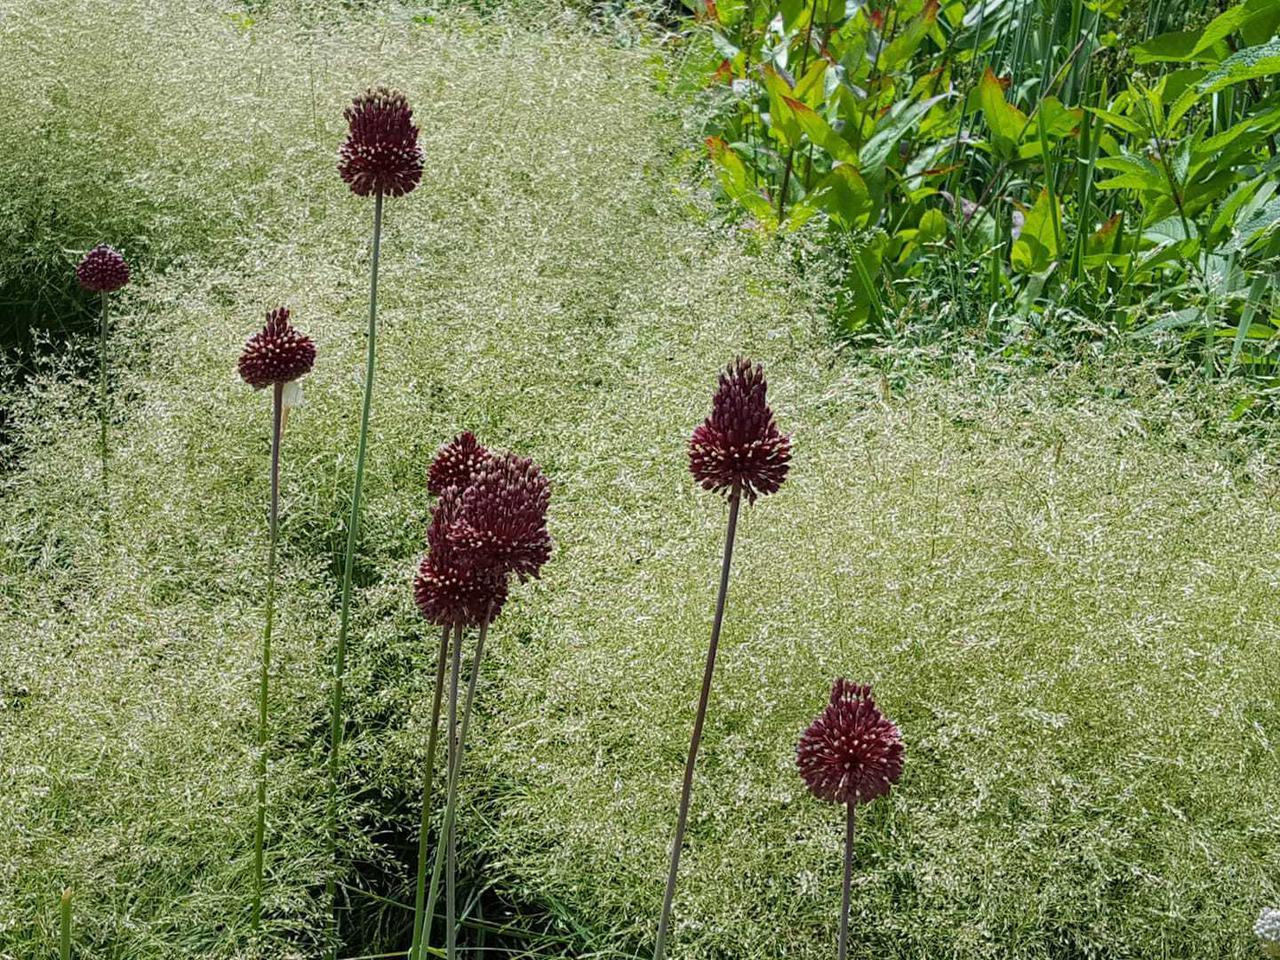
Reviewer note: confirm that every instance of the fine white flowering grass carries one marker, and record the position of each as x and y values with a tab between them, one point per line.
1067	600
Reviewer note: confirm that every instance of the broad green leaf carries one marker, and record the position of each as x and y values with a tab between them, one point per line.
891	128
1037	244
1249	64
820	132
1006	121
933	226
1119	121
734	178
1252	16
1136	173
1184	46
1263	222
782	121
843	195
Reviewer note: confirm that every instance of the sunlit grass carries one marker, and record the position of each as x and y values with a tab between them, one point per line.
1067	600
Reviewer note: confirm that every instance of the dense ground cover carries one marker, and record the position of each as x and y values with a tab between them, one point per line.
1062	583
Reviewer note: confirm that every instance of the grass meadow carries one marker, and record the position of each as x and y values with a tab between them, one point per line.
1061	578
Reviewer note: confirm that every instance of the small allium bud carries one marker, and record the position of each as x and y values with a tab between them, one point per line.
740	442
456	464
502	523
852	753
449	589
1267	929
102	270
277	353
381	152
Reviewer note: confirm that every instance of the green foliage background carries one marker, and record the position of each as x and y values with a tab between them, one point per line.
1062	583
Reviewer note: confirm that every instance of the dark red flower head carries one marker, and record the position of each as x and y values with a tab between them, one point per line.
102	270
456	464
381	152
449	589
852	753
502	522
740	442
277	353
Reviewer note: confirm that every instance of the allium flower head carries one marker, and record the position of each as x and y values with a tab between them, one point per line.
102	270
502	521
449	589
277	353
381	152
1267	930
740	442
456	464
852	753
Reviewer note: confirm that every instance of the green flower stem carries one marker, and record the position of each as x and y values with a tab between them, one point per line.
451	800
843	950
419	903
353	531
686	790
104	414
64	922
264	679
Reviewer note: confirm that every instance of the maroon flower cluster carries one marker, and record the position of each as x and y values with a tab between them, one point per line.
503	519
740	444
277	353
852	753
490	523
381	152
456	464
102	270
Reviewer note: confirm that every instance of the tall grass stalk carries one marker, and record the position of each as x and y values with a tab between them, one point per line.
428	781
353	531
264	679
64	923
686	790
446	843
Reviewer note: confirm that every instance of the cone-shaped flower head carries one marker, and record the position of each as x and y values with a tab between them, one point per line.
502	522
456	464
740	442
102	270
851	753
1268	931
449	589
381	152
277	353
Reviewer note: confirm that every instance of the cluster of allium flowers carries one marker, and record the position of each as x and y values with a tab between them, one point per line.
449	589
503	519
1267	929
381	152
740	444
102	270
851	753
456	464
490	523
277	353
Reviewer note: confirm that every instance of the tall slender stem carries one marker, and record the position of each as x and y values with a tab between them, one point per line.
353	530
843	950
686	790
264	678
447	838
451	803
64	922
104	414
419	902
